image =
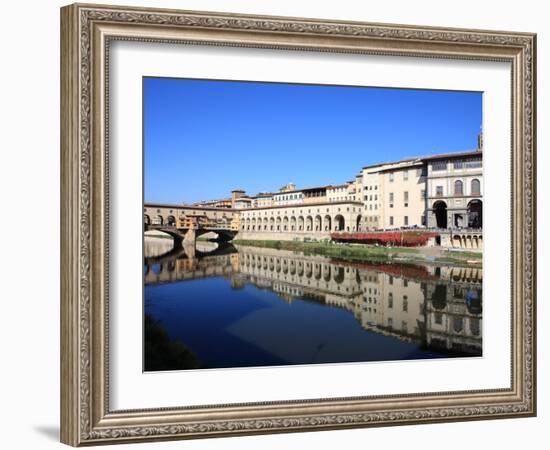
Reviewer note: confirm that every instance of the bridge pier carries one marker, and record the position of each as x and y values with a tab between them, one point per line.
190	249
190	237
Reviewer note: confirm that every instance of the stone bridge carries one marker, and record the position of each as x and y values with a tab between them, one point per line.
188	236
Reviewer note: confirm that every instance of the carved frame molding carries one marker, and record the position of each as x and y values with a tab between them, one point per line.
86	31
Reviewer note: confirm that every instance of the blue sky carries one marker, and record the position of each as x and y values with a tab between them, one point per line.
203	138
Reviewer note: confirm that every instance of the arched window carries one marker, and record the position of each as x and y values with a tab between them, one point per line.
458	187
475	187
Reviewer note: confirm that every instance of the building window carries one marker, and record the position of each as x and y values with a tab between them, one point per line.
406	220
458	187
476	187
406	198
439	165
406	175
390	300
469	163
391	177
405	304
423	220
422	194
439	191
391	199
391	220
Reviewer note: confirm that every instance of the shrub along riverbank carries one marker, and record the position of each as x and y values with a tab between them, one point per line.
363	252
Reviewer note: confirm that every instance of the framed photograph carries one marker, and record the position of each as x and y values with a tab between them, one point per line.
276	224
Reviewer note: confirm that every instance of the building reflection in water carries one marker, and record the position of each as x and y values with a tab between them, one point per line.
437	307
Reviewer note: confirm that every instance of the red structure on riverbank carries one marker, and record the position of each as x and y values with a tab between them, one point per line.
405	238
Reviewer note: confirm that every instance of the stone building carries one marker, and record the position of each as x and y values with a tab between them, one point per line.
454	186
442	191
314	220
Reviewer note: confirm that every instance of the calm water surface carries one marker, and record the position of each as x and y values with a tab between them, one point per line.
225	306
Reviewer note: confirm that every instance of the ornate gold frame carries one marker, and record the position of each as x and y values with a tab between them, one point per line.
86	31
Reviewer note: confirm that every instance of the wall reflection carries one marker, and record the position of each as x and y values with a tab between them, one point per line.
437	307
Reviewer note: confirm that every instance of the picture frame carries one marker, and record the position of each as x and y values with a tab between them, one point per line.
87	31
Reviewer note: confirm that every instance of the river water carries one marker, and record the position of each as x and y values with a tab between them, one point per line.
221	306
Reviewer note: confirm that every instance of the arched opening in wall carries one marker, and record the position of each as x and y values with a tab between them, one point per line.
158	220
293	223
339	223
318	223
475	187
439	296
318	272
475	328
339	274
440	211
458	324
309	223
171	221
459	188
328	223
278	224
253	224
475	214
301	223
265	223
285	223
474	301
358	223
146	219
271	224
